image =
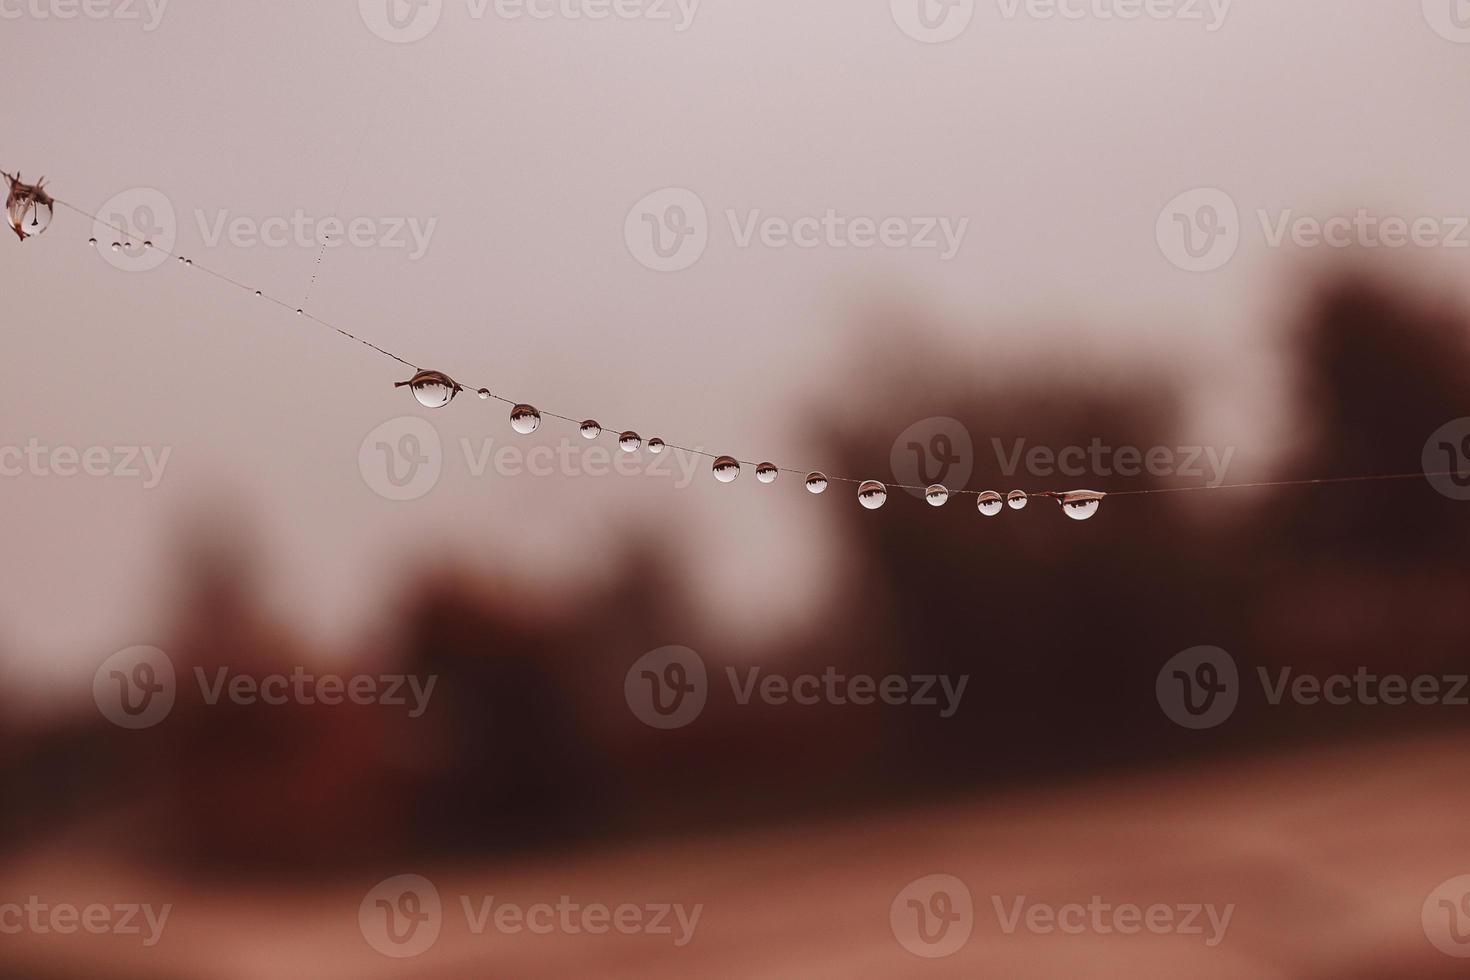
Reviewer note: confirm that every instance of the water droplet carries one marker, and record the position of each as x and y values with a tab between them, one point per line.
525	419
630	442
1016	499
433	389
990	503
590	429
766	472
181	260
117	246
300	312
92	242
816	482
147	244
1081	504
655	445
484	393
726	469
872	494
937	496
189	262
259	293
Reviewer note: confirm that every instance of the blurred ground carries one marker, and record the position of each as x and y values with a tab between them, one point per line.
1327	854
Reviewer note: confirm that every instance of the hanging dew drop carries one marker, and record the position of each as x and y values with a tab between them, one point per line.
1081	504
766	472
590	429
937	496
655	446
484	393
872	494
816	482
726	469
1016	499
630	442
433	389
92	242
525	419
990	503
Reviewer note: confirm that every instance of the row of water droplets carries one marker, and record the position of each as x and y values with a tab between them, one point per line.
435	389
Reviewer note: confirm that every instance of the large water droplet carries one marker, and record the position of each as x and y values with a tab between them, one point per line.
726	469
484	393
1081	504
766	472
816	482
990	503
655	445
872	494
937	496
630	442
433	389
590	429
525	419
1016	499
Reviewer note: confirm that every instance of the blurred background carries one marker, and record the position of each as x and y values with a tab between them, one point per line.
270	540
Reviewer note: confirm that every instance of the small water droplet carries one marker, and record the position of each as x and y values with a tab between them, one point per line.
655	445
181	260
1081	504
1016	499
189	262
259	293
433	389
525	419
937	496
92	242
726	469
630	442
117	246
766	472
484	393
300	312
147	244
591	430
990	503
816	482
872	494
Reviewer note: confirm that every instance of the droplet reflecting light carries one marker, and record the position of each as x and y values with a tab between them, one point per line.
1081	504
590	429
525	419
726	469
433	389
1016	499
937	496
630	442
766	472
872	494
990	503
816	482
655	445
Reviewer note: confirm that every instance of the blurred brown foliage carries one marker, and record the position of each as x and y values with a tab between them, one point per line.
1061	626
